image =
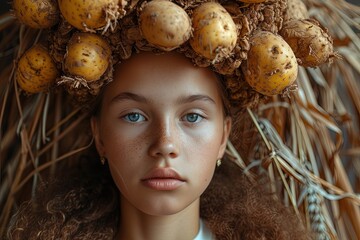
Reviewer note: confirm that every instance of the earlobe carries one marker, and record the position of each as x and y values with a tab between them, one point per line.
96	135
225	136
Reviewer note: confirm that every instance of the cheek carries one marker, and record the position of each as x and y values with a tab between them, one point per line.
207	142
123	153
202	155
118	140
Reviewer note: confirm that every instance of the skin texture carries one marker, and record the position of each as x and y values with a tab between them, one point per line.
161	112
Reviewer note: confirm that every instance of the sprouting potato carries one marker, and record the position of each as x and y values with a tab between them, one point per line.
36	71
215	32
37	14
310	43
89	15
165	24
271	65
88	56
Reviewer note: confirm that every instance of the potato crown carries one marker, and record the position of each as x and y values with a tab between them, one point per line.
218	37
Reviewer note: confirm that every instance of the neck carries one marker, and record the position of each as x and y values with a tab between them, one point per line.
137	225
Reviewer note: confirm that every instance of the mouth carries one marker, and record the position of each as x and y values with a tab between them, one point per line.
163	179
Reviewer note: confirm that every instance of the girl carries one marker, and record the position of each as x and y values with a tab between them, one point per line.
161	126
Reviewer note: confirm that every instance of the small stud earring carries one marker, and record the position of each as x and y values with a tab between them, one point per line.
102	160
218	162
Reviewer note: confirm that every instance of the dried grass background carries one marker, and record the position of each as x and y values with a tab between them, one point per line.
308	144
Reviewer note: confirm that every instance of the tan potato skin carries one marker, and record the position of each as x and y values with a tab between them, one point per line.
165	24
214	30
37	14
36	70
311	44
88	56
252	1
271	65
85	14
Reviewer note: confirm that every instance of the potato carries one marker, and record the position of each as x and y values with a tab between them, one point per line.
165	24
310	43
252	1
296	9
37	14
87	56
271	65
89	15
215	33
36	71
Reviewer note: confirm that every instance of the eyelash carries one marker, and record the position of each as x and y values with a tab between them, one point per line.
198	119
126	117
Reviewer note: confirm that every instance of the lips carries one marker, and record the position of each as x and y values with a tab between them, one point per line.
163	179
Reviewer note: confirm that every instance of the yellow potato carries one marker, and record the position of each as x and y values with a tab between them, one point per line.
215	32
36	71
37	14
252	1
310	43
165	24
88	56
271	65
89	14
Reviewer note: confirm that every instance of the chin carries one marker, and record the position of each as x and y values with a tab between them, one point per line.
167	208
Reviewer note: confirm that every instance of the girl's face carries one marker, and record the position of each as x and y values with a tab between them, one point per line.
162	129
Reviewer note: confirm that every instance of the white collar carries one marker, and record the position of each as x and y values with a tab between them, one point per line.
204	232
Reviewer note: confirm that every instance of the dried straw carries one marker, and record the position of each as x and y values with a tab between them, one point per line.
309	148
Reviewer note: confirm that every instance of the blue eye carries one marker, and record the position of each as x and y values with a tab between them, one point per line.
134	117
193	117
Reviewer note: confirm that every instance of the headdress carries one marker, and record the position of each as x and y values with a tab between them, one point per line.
274	56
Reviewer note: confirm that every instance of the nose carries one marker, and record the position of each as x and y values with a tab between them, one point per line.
165	139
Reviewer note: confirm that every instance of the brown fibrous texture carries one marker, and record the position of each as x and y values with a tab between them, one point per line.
126	39
296	9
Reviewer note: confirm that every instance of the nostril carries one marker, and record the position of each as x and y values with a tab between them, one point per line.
163	148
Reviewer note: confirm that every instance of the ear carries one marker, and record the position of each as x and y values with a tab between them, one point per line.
225	136
96	134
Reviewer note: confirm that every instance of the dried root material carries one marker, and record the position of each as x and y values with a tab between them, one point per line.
266	16
112	14
58	40
296	9
241	94
82	91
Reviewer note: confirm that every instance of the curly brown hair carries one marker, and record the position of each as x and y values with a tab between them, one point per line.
88	208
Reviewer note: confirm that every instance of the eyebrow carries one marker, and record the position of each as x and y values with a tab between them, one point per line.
128	96
182	100
196	97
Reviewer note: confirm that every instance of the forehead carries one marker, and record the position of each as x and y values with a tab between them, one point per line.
168	73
